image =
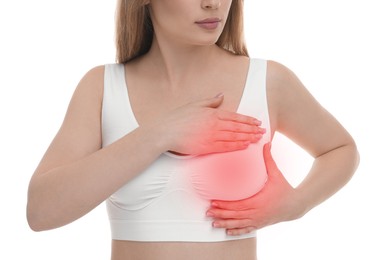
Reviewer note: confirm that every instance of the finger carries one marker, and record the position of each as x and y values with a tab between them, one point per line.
235	205
235	117
240	231
231	126
226	136
232	223
229	214
212	102
222	146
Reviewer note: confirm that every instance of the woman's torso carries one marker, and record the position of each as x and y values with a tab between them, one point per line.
233	88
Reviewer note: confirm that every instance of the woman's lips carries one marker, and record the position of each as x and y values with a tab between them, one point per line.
209	23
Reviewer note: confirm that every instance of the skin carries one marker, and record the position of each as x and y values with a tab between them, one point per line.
170	100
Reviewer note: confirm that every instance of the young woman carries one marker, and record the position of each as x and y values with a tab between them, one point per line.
176	139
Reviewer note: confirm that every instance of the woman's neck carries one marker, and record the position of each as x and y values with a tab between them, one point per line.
176	63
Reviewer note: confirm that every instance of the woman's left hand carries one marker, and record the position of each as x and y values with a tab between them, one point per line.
278	201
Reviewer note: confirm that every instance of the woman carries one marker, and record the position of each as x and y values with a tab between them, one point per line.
176	139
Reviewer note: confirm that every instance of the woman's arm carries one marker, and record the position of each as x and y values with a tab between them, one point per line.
296	114
75	174
302	119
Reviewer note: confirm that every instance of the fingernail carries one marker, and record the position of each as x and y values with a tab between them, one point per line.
257	122
214	204
216	225
219	95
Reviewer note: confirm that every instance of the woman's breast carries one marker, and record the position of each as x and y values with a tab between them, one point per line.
229	176
222	176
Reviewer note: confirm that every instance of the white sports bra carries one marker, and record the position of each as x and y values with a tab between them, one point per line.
168	201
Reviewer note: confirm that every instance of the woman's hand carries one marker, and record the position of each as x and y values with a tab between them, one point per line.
201	128
278	201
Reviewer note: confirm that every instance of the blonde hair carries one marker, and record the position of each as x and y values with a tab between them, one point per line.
134	30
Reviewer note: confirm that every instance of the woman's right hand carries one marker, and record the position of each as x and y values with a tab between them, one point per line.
201	128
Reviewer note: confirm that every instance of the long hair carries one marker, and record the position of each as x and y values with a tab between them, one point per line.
134	30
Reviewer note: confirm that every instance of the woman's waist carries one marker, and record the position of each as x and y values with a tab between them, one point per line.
244	249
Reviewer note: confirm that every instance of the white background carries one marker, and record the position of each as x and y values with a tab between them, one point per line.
335	47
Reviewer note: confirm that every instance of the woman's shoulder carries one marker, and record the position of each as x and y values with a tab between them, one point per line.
95	72
278	71
280	79
91	85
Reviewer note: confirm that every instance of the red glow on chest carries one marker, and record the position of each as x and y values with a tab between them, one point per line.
229	176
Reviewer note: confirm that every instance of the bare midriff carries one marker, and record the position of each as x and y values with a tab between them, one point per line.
244	249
